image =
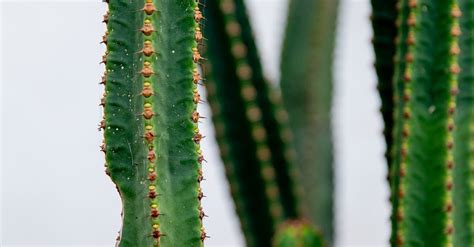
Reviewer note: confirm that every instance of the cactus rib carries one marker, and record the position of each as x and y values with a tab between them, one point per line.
398	88
425	198
463	188
150	120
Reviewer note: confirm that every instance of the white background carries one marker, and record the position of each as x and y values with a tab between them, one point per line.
53	188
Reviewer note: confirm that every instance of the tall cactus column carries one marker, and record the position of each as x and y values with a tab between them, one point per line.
306	82
151	138
425	191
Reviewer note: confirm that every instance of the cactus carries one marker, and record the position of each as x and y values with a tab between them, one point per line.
384	15
394	126
151	137
297	233
252	140
463	211
306	81
424	212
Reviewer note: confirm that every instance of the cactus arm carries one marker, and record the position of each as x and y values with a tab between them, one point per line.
398	88
151	135
464	133
297	234
306	79
245	123
273	118
425	191
234	129
384	15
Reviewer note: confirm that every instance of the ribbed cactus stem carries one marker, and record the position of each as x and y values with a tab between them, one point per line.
464	133
151	122
397	131
425	191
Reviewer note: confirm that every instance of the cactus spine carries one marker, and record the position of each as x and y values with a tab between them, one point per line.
251	138
463	189
297	233
306	81
151	138
424	212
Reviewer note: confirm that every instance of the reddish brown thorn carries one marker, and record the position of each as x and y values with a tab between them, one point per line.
449	185
410	39
149	135
196	55
102	100
104	78
451	109
195	117
406	114
154	213
197	15
455	69
200	177
406	76
411	20
399	215
201	159
450	126
149	8
449	230
102	125
148	49
104	38
455	50
401	193
152	194
151	156
412	3
102	147
406	97
455	31
448	207
449	145
402	172
147	71
409	57
198	35
456	12
405	132
196	76
147	28
157	234
450	164
197	138
196	97
104	58
147	92
203	235
201	213
152	176
148	114
106	17
454	91
399	240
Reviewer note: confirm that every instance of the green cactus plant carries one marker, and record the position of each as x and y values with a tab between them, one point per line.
249	124
297	233
390	71
425	120
463	189
151	137
306	81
